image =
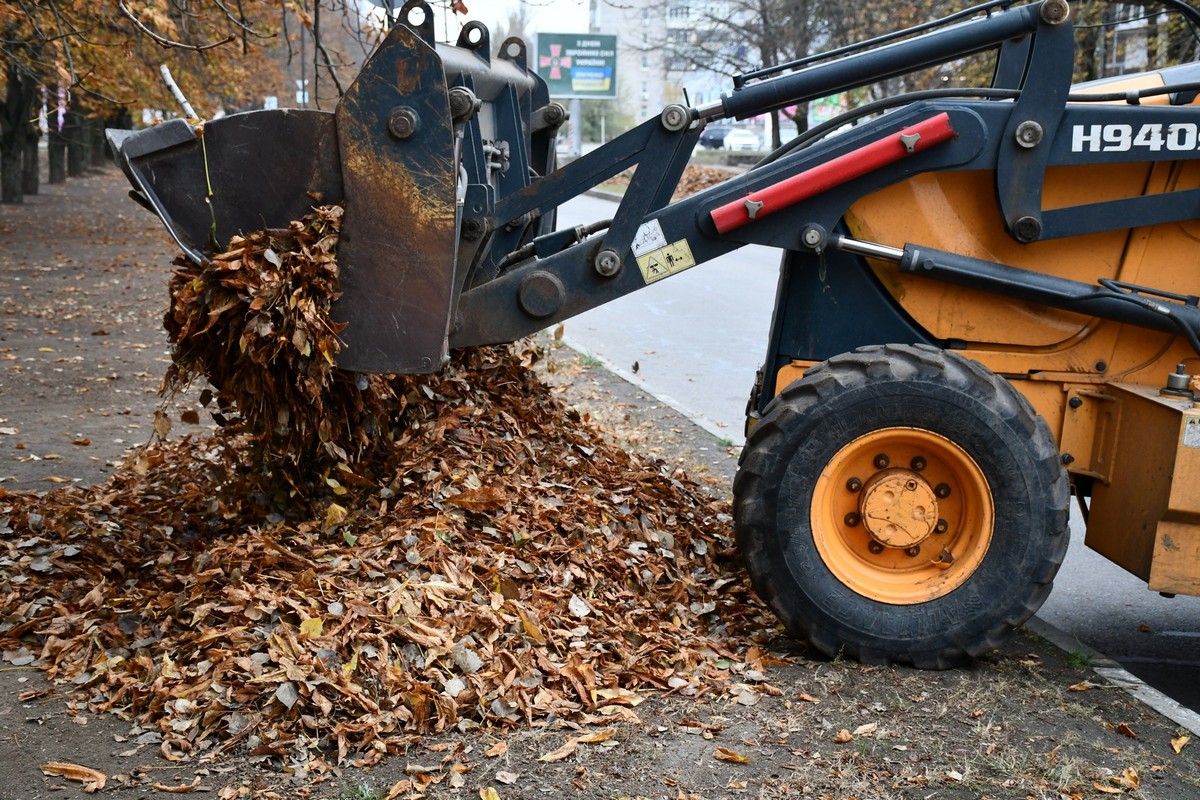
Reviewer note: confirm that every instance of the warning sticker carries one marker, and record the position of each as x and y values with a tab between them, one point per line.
1191	432
649	237
665	261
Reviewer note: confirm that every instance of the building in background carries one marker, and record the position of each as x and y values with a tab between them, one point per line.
669	47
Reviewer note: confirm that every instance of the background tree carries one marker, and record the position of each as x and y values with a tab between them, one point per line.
102	57
739	36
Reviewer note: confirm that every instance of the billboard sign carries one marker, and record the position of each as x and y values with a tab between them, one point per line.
580	65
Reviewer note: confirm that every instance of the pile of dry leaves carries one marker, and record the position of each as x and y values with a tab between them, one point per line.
255	323
493	562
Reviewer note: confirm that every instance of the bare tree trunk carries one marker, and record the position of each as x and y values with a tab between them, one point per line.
31	169
99	148
14	119
58	157
10	175
77	156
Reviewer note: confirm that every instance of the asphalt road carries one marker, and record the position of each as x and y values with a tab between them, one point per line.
698	338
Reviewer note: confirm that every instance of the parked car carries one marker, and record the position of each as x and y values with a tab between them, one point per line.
738	139
713	136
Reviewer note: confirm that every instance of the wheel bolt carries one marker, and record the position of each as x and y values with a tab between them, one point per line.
913	551
918	464
942	490
851	519
941	526
875	547
881	461
910	486
854	485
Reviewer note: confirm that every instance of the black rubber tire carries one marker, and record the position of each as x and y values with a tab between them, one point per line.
921	387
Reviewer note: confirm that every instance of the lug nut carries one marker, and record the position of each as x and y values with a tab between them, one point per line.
918	464
942	490
875	547
910	486
941	527
881	461
854	485
851	519
913	551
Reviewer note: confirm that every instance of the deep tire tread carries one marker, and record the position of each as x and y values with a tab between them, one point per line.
772	443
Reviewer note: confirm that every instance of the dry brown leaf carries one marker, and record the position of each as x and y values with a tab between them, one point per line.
488	793
497	750
483	499
1179	742
399	789
1100	787
1125	730
564	751
808	698
843	736
93	779
1128	779
733	757
867	729
622	697
194	786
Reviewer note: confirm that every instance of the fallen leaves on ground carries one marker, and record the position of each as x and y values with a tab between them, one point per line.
169	596
487	560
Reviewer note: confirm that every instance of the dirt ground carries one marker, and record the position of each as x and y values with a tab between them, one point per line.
82	289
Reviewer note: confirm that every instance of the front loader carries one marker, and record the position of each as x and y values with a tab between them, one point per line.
987	300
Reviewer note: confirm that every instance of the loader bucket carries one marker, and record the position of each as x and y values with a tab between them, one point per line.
386	152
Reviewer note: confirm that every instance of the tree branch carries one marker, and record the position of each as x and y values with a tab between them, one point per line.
167	43
240	21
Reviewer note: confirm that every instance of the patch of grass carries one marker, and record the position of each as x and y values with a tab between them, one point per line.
361	791
589	360
725	442
1079	659
1035	637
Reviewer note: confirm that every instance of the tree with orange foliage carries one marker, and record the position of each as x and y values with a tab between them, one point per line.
106	56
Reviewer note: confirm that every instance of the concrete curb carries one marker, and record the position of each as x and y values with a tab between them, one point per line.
695	417
1118	676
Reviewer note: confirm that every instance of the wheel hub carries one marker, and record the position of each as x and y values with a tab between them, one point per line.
902	515
898	508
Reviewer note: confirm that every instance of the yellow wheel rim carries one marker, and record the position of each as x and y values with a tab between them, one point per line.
902	515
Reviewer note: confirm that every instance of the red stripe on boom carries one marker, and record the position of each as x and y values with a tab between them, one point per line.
823	177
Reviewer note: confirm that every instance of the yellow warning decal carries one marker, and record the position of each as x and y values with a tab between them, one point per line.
658	264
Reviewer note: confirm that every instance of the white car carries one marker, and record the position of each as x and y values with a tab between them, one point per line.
738	139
